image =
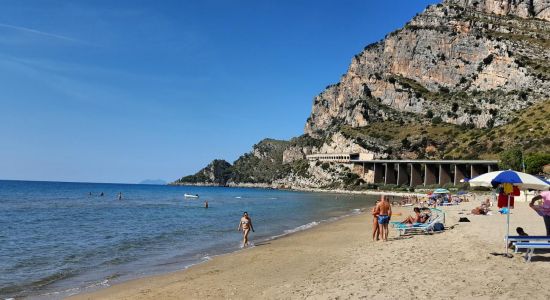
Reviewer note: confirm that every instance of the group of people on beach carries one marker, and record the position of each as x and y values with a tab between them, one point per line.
382	213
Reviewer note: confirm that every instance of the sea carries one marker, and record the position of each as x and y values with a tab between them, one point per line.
59	239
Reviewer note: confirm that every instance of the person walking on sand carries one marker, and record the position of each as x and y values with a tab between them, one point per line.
246	225
375	229
383	211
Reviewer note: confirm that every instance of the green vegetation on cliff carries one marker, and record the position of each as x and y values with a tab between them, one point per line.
264	164
217	173
528	130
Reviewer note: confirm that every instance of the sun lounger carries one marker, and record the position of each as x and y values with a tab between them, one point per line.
531	248
522	238
529	238
437	216
418	227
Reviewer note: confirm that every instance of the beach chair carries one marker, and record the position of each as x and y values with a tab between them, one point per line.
531	248
427	227
526	239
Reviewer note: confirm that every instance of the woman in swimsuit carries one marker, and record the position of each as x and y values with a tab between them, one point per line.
418	218
375	229
246	225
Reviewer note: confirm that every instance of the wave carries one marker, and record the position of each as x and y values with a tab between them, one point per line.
302	227
316	223
74	291
20	290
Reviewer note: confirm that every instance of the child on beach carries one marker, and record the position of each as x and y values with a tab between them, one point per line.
520	232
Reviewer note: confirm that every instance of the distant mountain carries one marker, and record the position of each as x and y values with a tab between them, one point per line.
153	181
464	79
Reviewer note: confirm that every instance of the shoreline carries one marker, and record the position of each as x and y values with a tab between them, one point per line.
338	259
103	284
295	231
313	190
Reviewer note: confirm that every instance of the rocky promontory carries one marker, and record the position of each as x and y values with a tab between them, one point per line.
463	79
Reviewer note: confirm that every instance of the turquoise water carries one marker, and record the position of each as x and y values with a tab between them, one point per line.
57	240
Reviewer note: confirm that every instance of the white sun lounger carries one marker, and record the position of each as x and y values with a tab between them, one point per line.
531	248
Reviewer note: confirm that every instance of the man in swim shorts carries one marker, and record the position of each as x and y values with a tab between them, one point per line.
383	211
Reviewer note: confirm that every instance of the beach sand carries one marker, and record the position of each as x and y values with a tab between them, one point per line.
340	261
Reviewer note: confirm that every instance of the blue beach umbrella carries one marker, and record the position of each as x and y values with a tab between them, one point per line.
519	179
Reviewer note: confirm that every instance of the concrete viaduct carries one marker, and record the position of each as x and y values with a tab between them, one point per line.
421	172
409	172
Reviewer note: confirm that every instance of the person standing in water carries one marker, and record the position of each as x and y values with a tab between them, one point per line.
246	225
206	204
119	195
383	211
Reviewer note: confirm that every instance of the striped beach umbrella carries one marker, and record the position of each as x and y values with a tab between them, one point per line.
519	179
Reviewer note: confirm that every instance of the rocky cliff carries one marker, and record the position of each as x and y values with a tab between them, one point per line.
539	9
215	173
462	79
464	61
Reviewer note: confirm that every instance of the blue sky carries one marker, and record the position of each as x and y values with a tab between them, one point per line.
121	91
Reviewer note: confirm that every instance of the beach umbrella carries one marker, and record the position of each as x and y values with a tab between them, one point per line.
519	179
441	191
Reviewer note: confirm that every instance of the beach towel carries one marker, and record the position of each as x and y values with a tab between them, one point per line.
503	201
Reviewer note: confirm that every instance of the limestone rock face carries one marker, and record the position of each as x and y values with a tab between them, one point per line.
467	61
293	154
338	143
521	8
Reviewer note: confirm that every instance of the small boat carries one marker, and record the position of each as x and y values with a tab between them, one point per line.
191	195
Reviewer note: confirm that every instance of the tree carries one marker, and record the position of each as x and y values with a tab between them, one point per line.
437	120
429	114
535	162
511	159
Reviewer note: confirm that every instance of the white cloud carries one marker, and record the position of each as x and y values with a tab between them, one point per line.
42	33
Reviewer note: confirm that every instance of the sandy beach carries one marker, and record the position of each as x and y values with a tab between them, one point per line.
340	261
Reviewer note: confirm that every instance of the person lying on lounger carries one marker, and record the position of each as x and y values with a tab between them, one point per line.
480	210
417	218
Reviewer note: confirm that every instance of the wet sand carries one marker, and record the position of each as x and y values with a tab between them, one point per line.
339	260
